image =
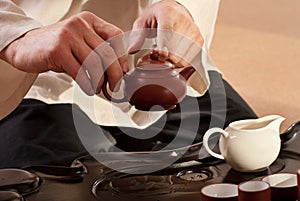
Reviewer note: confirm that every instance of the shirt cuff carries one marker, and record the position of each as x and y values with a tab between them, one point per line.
14	23
204	13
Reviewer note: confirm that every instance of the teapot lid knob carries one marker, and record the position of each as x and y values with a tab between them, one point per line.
154	55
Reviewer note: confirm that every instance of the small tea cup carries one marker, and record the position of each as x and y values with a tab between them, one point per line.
219	192
298	182
283	186
254	191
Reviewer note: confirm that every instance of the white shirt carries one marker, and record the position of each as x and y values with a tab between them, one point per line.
51	87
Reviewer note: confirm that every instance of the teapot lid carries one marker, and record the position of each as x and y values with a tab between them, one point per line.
154	70
155	66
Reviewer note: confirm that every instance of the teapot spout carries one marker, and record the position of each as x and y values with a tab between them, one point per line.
187	72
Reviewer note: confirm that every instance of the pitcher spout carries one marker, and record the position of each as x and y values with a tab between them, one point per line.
274	121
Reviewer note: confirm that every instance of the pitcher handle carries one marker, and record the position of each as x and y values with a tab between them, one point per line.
206	140
107	95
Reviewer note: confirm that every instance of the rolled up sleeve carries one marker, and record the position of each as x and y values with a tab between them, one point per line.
205	13
13	23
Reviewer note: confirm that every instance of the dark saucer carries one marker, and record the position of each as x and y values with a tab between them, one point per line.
20	181
10	196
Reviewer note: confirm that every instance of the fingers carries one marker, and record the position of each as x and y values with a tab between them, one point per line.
165	35
142	28
117	44
77	72
96	55
114	36
178	38
112	52
90	61
94	70
102	59
110	64
137	36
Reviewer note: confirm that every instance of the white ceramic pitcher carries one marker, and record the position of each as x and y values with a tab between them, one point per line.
248	145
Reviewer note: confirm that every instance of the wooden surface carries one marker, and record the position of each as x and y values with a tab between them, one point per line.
257	47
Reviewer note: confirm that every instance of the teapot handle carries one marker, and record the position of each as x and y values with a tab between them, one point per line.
206	141
107	95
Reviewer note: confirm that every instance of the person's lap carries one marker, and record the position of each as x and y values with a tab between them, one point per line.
217	108
38	133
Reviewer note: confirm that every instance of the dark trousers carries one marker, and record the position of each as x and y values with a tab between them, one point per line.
38	133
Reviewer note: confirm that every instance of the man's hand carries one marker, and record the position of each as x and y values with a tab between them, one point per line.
178	37
75	46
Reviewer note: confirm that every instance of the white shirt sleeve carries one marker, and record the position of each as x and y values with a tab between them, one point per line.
13	22
205	14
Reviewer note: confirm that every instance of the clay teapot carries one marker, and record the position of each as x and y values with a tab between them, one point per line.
152	83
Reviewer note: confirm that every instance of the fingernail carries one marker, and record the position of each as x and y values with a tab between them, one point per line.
165	49
132	50
90	92
98	90
125	67
116	88
164	52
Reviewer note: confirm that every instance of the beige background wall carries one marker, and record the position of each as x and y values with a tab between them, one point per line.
257	47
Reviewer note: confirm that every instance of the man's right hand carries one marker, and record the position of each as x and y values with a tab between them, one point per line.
65	47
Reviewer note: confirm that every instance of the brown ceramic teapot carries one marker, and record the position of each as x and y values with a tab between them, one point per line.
153	82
